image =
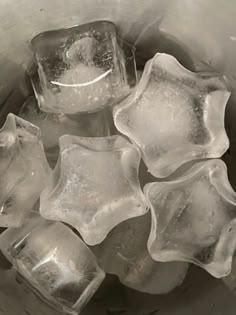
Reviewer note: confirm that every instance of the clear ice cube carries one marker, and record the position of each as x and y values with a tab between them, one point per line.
54	261
53	126
124	253
23	170
174	115
194	218
84	68
94	186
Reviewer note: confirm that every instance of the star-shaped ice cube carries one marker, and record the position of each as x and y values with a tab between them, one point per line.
94	186
194	218
174	115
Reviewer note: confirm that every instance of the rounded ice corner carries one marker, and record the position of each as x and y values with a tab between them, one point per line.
166	59
10	120
225	144
167	62
213	151
99	234
15	124
164	171
94	238
9	126
147	190
217	270
224	253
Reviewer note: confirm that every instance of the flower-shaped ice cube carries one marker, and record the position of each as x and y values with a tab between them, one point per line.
124	253
94	186
174	115
55	261
84	68
23	169
194	218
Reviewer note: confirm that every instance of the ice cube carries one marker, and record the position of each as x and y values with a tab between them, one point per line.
23	169
124	253
53	126
94	186
193	218
174	115
43	252
84	68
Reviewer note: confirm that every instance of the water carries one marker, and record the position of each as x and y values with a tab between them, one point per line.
95	181
83	69
43	253
23	169
193	218
124	253
174	115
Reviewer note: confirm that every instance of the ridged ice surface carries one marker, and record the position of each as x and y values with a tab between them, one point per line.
194	218
94	186
53	126
174	115
23	169
124	253
54	261
84	68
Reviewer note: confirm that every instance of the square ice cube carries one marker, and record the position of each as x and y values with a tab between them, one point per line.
54	261
194	218
84	68
23	169
174	115
94	186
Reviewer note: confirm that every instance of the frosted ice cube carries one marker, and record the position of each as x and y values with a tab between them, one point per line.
84	68
124	253
174	115
23	169
94	186
53	126
193	218
54	261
